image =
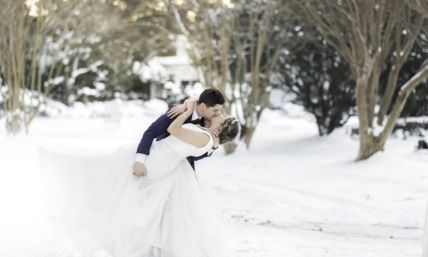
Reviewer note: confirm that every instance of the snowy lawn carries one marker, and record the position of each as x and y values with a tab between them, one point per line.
292	195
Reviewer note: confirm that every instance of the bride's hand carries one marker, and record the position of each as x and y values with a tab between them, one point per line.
193	99
190	105
176	110
180	108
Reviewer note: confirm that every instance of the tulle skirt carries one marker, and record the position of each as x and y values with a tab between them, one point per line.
131	216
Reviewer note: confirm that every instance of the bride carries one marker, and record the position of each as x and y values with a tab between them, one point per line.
164	213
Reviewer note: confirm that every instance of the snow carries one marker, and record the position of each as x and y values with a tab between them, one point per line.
293	194
88	92
178	60
421	119
425	240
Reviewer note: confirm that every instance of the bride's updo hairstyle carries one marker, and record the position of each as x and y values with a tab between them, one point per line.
229	130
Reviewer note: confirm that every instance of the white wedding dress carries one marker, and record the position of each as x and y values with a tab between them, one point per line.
163	214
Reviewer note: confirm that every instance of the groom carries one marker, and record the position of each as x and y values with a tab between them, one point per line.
209	105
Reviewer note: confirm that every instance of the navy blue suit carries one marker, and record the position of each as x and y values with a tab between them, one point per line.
158	130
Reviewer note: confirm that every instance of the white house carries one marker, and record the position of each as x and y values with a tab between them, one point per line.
179	67
176	72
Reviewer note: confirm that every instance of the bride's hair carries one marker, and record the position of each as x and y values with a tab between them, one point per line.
229	130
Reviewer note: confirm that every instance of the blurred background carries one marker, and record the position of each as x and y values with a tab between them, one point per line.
332	98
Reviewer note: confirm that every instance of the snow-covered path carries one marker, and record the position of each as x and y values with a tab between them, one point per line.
292	195
306	197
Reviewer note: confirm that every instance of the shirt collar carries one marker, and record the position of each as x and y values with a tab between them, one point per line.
195	115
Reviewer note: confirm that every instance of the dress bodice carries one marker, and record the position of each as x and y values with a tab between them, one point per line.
167	153
184	149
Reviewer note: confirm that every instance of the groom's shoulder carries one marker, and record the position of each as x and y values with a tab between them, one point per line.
164	117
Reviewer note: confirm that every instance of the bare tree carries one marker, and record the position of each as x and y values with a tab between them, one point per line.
34	34
265	43
235	46
23	35
419	6
47	39
368	33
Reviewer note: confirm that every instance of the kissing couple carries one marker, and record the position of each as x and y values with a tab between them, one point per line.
160	211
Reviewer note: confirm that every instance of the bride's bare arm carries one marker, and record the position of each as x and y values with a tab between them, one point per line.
189	136
180	108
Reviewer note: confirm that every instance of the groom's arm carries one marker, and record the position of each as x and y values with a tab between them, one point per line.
157	128
201	157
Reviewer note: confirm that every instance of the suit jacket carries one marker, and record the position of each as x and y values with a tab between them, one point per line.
158	130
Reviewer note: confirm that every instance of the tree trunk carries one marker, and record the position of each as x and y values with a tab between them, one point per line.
230	148
389	92
369	145
249	132
14	123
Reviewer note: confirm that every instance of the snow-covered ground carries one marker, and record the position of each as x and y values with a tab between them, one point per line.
292	195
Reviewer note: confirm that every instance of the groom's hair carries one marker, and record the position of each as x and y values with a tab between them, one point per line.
211	97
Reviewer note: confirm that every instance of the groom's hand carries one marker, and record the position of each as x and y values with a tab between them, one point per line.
139	169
